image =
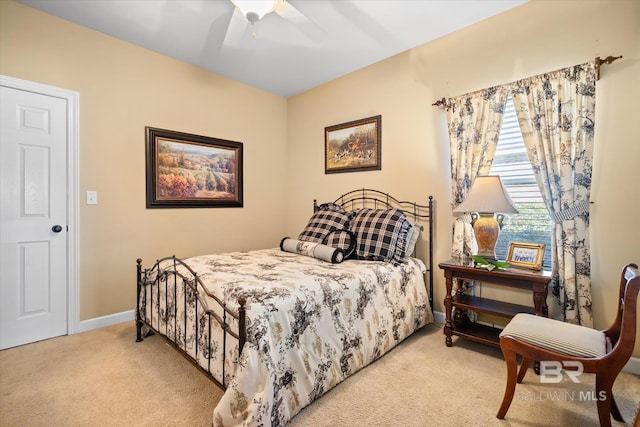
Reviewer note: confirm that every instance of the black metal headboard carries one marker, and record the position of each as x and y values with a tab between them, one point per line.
374	199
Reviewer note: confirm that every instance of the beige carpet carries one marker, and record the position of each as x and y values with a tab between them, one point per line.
103	378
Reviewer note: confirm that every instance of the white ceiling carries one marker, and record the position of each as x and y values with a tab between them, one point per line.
318	41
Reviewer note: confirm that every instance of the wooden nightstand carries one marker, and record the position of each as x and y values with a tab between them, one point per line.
463	270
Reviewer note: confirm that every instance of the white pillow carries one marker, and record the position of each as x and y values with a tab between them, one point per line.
412	239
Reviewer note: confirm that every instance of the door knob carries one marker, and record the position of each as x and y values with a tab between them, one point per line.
56	228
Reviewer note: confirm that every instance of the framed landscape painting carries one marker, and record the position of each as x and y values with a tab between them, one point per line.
353	146
192	171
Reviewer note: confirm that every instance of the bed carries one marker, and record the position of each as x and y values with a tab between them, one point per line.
277	328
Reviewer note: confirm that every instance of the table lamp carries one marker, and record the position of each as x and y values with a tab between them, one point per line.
487	197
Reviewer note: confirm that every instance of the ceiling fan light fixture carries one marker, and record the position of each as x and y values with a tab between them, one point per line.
254	10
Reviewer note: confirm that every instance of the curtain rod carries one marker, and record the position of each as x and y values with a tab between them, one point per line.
608	60
440	102
597	62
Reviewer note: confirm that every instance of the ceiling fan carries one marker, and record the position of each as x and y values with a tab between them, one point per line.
248	14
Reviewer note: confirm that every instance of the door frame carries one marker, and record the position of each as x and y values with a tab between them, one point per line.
73	194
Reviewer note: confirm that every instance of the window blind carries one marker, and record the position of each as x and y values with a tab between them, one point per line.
532	224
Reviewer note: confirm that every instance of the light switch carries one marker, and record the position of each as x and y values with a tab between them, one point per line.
92	197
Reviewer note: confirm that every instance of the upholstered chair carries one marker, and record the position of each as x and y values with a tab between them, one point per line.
603	353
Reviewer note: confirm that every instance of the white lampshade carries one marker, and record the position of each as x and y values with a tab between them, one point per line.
259	7
487	195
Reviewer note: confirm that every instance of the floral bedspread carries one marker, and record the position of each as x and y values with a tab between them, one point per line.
310	325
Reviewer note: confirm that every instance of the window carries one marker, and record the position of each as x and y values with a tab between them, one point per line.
532	223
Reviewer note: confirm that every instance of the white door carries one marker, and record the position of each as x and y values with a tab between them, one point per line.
33	216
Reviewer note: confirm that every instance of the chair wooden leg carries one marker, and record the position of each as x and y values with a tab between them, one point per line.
523	368
614	410
512	374
604	397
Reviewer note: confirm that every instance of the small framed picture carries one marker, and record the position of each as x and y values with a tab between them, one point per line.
527	255
353	146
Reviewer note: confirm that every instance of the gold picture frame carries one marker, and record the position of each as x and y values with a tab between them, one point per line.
354	146
526	255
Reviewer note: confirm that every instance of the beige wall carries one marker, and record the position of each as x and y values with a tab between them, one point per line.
531	39
124	88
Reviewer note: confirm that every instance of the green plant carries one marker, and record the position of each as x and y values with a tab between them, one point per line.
480	262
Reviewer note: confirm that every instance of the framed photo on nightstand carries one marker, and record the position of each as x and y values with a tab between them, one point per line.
526	255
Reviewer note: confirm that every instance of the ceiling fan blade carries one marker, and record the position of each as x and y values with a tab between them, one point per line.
289	12
217	31
239	29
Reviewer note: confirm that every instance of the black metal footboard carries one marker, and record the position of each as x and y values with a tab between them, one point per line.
170	294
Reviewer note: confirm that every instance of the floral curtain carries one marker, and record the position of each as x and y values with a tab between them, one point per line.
474	126
556	112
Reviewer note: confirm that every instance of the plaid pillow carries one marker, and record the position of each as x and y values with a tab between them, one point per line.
327	218
381	235
341	239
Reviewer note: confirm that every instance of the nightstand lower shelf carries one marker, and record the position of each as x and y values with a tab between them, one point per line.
485	305
477	332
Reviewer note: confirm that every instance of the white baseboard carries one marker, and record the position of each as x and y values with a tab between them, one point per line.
439	317
633	366
101	322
